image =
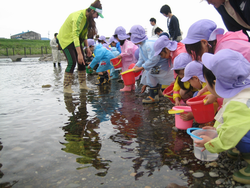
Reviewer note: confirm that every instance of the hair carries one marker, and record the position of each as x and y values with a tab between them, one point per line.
152	20
165	9
92	30
209	76
55	34
157	30
122	42
195	50
181	84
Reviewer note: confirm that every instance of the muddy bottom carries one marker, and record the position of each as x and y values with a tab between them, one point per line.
99	138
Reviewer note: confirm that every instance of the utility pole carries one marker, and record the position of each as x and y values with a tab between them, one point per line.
48	34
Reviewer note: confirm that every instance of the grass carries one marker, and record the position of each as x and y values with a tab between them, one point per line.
18	47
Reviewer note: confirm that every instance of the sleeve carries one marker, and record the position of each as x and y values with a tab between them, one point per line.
176	89
99	53
232	130
140	60
175	27
53	43
76	24
151	59
129	50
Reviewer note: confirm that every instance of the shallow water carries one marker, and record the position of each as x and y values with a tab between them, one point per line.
103	138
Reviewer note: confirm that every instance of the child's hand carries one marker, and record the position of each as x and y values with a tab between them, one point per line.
203	90
119	57
187	116
138	69
209	127
143	88
209	99
177	102
89	67
200	143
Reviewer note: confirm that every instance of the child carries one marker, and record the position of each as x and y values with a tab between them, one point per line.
227	76
128	50
181	90
102	57
157	70
193	74
199	41
114	74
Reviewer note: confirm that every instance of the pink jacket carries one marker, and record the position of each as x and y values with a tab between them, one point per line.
236	41
128	50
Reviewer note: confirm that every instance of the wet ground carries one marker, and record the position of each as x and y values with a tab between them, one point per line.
101	138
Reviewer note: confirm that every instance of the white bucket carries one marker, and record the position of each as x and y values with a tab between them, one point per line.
198	153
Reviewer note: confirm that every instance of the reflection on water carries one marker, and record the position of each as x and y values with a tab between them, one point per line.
80	135
100	138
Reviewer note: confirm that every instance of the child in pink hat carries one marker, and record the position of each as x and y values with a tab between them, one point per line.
182	90
227	75
157	70
204	36
127	53
193	74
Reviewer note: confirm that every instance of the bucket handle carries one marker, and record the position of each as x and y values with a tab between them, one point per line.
192	129
117	63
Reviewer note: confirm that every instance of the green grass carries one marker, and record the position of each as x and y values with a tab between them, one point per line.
32	47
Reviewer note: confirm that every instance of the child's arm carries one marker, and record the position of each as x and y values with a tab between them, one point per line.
203	90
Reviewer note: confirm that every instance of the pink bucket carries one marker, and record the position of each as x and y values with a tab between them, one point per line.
179	123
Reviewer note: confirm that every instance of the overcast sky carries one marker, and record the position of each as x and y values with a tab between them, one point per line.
47	16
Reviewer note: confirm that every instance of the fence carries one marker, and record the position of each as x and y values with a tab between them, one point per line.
25	51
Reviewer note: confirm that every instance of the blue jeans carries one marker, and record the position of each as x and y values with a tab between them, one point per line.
244	144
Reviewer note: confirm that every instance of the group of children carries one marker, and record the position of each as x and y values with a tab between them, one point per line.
207	62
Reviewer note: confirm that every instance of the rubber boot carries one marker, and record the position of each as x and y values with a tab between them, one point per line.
126	88
101	80
233	153
54	64
67	82
115	75
106	77
243	175
160	91
133	87
59	64
153	96
82	80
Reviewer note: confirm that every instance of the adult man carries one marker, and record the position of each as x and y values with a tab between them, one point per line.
235	14
172	22
55	52
159	32
153	23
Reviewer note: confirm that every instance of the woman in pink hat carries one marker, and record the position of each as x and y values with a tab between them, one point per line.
127	55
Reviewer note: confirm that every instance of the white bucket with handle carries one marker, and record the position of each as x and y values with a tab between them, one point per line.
198	153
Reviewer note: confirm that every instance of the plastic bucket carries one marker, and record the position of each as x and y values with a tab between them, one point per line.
128	77
179	123
168	92
117	63
198	153
132	66
202	113
89	71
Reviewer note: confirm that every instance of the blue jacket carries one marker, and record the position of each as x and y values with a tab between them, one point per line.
102	56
